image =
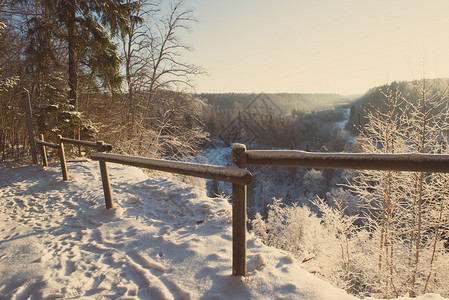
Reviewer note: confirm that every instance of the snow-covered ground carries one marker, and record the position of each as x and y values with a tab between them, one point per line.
163	240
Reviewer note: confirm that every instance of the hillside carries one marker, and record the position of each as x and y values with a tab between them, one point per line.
375	97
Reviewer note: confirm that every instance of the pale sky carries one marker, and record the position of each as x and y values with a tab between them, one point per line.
322	46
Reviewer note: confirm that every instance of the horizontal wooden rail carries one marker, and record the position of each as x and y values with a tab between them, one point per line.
230	174
47	144
107	147
386	162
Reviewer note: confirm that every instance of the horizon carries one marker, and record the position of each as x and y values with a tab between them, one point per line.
345	47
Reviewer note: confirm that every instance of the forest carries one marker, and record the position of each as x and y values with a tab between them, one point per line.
114	70
276	120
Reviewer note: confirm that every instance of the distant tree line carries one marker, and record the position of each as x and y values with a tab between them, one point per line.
375	97
296	128
286	102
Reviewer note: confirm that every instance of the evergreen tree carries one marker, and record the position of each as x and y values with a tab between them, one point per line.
86	28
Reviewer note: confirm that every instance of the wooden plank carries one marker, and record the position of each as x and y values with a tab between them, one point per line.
47	144
106	185
230	174
359	161
44	153
105	179
65	175
239	214
106	147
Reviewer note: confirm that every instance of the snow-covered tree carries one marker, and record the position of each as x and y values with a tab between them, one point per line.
400	207
157	116
393	242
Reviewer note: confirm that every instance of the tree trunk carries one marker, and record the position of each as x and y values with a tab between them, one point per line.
436	236
73	70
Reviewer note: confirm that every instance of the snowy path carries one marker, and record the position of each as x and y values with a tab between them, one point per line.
164	240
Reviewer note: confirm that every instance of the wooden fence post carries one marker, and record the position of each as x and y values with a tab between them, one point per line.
44	152
239	215
65	176
105	178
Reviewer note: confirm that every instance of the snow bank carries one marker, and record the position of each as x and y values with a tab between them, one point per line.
163	240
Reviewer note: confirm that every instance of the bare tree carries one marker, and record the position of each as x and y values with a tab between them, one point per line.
154	64
427	121
134	42
378	190
405	209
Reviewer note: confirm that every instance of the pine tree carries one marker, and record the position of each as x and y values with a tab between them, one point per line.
86	27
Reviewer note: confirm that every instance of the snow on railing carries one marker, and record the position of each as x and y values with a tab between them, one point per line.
94	145
231	174
360	161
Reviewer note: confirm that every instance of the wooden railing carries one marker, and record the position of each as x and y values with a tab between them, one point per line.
237	175
386	162
99	146
240	177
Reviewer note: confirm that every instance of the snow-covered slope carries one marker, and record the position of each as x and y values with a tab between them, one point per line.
163	240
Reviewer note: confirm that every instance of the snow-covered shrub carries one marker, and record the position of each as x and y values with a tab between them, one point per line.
323	242
293	228
61	118
345	199
346	254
